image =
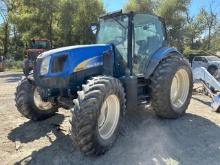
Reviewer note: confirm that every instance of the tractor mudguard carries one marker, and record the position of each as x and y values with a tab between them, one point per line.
157	57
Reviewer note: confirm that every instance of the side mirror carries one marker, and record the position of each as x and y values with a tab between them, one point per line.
94	28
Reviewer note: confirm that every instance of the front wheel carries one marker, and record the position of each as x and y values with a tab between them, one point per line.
171	87
96	115
30	104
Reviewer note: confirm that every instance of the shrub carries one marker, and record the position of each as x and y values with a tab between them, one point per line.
13	65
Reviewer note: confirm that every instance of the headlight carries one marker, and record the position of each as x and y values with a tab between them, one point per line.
45	66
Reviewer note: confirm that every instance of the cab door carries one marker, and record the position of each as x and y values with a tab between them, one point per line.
149	36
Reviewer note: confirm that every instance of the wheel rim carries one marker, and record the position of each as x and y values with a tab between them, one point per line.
179	89
109	116
39	103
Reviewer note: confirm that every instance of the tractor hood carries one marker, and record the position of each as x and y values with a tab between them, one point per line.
80	48
67	60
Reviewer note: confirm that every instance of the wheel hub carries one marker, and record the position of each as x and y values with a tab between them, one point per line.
109	116
179	89
39	103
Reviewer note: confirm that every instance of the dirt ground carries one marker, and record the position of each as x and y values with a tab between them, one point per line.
145	139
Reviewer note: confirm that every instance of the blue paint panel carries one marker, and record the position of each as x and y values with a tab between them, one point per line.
157	57
76	55
97	61
163	52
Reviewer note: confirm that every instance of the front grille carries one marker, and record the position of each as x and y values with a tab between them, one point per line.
58	63
48	82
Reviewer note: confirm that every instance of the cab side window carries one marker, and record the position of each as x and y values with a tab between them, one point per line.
149	36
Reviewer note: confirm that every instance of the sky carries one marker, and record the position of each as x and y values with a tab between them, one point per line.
113	5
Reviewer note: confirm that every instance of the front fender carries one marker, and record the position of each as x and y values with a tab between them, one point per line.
157	57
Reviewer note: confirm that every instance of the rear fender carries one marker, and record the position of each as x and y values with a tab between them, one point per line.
157	57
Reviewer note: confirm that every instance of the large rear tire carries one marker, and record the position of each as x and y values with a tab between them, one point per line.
96	115
30	104
171	87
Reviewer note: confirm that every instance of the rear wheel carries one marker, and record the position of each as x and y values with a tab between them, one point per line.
171	87
96	115
30	104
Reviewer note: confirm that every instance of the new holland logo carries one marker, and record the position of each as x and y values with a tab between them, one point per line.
89	63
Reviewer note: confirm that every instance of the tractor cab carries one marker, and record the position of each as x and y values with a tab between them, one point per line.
135	37
39	44
36	47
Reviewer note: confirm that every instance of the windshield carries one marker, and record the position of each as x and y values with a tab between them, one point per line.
114	31
39	44
213	58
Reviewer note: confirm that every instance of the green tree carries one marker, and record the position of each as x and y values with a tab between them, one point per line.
141	5
4	27
87	13
74	26
35	18
174	13
215	42
211	22
63	22
194	29
66	22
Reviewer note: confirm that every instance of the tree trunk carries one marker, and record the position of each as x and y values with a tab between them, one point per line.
51	30
192	43
5	41
209	39
15	38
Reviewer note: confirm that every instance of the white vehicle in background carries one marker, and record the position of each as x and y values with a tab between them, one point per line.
210	84
211	63
206	72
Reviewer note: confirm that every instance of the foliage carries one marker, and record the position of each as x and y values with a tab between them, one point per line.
141	5
87	13
193	30
215	42
63	22
174	12
211	21
13	65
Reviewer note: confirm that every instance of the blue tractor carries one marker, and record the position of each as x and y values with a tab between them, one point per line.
131	64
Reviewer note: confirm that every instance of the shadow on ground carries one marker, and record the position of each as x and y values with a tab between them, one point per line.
144	139
11	77
31	130
202	101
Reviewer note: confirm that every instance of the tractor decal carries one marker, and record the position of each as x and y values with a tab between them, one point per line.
89	63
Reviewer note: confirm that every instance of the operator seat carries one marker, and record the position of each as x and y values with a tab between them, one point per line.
143	46
154	44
